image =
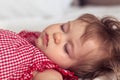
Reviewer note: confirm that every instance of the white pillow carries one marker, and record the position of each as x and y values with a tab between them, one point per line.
30	8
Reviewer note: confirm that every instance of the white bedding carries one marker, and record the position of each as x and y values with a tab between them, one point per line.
17	19
28	15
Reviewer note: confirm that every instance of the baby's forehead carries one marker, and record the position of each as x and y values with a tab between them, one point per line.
89	47
92	52
90	44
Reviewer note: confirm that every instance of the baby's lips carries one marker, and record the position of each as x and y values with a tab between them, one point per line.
47	38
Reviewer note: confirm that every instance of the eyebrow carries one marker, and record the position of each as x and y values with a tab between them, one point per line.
71	43
75	44
69	25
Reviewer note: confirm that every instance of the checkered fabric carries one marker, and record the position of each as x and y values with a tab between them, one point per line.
19	58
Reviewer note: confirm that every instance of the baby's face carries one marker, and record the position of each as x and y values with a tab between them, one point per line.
62	43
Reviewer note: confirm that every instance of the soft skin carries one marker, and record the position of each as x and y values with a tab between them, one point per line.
65	45
47	75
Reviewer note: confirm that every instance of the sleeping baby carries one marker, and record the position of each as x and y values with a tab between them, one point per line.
86	47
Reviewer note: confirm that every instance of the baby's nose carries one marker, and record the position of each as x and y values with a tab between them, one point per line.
57	37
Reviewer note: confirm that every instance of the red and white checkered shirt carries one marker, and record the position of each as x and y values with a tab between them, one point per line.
19	57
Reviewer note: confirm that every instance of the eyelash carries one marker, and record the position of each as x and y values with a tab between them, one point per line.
62	27
65	49
65	46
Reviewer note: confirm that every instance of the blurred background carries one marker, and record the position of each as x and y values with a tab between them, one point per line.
35	15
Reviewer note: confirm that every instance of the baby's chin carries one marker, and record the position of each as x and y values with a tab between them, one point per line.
38	44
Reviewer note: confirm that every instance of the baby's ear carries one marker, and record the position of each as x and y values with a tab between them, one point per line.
88	18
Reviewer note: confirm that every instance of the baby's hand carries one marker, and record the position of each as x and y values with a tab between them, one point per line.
47	75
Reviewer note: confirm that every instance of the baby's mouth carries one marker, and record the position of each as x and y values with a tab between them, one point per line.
45	39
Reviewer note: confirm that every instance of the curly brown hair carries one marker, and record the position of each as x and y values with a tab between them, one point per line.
107	31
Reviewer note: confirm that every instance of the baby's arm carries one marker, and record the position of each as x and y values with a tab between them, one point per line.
47	75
